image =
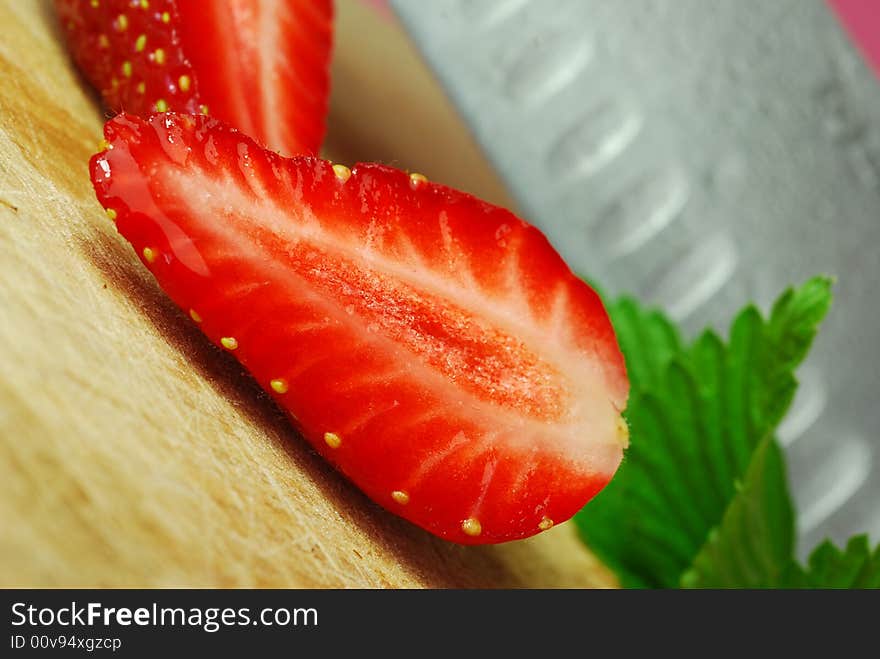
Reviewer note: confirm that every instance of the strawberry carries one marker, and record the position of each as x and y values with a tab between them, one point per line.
260	66
433	347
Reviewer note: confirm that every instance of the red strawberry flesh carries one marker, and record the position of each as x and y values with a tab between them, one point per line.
433	347
267	73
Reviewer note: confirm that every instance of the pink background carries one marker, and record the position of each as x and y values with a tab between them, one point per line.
862	19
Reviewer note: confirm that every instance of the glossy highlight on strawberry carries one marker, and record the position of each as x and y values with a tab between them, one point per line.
260	65
433	347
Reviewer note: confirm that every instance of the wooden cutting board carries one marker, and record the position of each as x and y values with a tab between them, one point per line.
132	452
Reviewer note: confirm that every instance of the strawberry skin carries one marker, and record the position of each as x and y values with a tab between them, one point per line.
260	65
131	53
434	348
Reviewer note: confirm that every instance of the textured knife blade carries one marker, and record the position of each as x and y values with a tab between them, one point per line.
698	155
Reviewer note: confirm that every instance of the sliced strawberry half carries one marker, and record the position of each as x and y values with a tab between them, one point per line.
260	65
263	66
433	347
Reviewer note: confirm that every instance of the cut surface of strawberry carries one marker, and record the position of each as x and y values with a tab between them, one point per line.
434	348
260	65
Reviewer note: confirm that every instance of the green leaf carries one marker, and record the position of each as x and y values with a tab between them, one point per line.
696	415
647	339
793	324
829	567
753	546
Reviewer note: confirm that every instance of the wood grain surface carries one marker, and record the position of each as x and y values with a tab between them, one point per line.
134	453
